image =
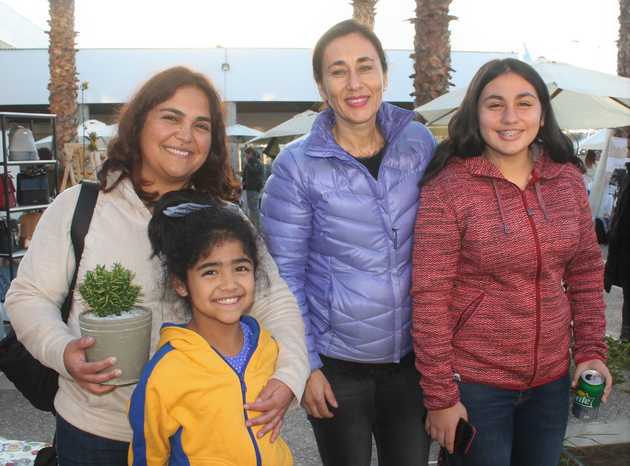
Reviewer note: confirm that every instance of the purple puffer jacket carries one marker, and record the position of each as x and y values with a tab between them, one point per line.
342	240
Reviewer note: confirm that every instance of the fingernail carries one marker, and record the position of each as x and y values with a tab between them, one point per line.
117	372
112	360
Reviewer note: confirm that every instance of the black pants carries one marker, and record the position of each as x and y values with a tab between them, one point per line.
383	400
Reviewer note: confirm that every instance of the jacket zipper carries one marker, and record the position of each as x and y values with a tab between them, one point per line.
249	428
538	273
375	186
241	379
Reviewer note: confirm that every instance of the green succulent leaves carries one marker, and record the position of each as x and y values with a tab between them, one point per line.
109	292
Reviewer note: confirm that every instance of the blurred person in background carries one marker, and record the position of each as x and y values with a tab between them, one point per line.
618	262
253	180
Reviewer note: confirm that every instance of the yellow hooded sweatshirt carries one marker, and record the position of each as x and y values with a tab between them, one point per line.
188	406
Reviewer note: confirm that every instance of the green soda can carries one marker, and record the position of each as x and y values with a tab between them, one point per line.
588	395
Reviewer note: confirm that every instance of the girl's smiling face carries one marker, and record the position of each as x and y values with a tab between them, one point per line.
510	116
220	286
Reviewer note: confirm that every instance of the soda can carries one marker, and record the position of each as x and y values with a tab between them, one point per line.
588	395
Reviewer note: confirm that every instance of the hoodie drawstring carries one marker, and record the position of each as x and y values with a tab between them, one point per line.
540	200
539	197
506	230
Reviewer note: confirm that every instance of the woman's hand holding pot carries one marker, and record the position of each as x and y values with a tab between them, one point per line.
88	375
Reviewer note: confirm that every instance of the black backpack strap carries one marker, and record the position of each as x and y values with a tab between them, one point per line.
80	226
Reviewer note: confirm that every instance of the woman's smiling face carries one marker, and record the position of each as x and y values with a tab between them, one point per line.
175	140
352	79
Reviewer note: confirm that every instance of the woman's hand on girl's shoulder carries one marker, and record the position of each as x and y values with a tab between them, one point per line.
441	424
600	367
88	374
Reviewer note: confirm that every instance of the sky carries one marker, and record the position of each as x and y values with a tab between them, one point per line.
580	32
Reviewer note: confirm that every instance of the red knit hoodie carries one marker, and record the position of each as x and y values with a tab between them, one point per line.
489	263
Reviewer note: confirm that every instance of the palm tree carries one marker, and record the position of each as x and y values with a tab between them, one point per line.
63	72
364	11
623	44
432	50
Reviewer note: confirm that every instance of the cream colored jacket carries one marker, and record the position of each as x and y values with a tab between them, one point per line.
118	233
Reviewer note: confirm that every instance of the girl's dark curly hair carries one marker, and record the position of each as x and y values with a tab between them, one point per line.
181	241
124	151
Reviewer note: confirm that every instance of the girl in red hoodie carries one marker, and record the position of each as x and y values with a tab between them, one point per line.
507	274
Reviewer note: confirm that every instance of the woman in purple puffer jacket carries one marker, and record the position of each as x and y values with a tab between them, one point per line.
338	215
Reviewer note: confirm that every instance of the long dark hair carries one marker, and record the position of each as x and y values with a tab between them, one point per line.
181	240
464	136
124	153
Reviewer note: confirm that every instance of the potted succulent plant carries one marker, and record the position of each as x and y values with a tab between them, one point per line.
120	328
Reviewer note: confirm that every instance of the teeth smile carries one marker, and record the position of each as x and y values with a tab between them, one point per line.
180	153
509	133
227	300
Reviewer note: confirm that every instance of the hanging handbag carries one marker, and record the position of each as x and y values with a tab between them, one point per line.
32	187
9	235
35	381
7	180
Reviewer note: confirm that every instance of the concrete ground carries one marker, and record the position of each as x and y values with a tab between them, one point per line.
19	421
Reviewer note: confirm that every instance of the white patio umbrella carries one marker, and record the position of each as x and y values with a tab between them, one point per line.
581	98
241	133
103	132
101	129
296	126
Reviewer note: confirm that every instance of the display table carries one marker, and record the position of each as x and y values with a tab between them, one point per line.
18	452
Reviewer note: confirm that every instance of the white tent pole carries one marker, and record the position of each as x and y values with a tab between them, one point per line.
600	180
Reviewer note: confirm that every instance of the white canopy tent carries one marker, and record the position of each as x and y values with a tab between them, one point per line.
241	133
599	141
296	126
614	155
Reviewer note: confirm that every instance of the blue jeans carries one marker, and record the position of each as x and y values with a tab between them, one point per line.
380	399
76	447
516	428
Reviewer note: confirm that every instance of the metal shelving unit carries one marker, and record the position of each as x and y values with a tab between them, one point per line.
7	119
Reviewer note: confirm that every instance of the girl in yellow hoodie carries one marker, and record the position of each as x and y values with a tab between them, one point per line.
190	404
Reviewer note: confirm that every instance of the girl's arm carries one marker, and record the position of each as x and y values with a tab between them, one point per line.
150	419
584	277
435	257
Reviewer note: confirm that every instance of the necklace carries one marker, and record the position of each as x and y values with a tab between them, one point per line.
372	146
